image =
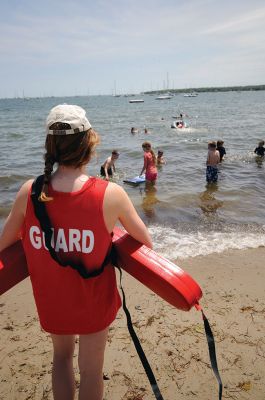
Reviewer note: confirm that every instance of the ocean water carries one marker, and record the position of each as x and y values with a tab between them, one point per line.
185	216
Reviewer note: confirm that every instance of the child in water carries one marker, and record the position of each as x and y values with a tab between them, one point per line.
160	158
221	149
149	163
134	130
108	167
212	161
260	150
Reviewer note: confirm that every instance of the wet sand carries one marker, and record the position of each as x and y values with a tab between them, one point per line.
174	341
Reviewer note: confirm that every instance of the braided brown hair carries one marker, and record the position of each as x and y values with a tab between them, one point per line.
73	150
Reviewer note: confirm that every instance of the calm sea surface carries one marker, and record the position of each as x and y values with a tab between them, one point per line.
186	218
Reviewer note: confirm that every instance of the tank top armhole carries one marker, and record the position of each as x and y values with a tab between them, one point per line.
23	230
102	186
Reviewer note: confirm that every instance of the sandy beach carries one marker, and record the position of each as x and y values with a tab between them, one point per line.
174	341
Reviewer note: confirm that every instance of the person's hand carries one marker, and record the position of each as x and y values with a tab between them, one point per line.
107	178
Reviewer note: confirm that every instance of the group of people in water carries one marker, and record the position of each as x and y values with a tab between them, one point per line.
151	161
216	153
136	130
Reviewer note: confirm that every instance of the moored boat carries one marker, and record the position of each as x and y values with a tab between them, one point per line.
136	101
193	94
164	97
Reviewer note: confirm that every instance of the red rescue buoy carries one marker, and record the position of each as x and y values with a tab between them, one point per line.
154	271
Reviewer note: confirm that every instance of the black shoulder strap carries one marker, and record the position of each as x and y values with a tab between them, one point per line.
45	223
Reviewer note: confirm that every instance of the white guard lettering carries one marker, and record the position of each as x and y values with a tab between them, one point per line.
35	238
61	242
73	240
87	235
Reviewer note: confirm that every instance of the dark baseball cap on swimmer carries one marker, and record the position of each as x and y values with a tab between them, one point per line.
73	116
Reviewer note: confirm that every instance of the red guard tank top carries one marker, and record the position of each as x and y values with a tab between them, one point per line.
67	303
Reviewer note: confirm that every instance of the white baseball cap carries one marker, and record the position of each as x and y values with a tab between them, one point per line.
74	116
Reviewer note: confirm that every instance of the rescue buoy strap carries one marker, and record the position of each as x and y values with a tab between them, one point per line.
141	354
212	352
138	346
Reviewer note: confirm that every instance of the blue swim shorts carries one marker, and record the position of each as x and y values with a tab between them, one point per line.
211	174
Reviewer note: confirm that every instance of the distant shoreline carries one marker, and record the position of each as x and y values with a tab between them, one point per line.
210	89
158	92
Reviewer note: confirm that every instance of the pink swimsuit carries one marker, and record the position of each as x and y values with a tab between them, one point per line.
150	166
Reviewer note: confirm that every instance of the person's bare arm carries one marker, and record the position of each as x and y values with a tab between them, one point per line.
107	165
208	158
13	224
117	206
144	166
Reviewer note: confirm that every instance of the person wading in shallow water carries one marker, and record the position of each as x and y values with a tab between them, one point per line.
213	159
149	166
221	149
83	211
160	158
108	167
260	150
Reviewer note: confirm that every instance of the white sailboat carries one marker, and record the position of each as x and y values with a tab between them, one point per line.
166	96
136	101
115	93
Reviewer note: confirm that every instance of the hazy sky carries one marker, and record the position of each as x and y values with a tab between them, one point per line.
61	47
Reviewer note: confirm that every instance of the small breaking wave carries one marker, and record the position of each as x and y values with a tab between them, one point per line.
173	244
